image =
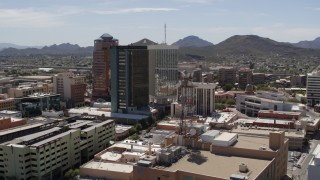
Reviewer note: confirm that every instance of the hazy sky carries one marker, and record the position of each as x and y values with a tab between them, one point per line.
46	22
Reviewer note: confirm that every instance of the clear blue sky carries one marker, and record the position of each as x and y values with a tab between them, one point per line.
46	22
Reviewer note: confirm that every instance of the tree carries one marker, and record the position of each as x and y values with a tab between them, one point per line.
228	87
103	117
138	126
230	102
72	174
134	137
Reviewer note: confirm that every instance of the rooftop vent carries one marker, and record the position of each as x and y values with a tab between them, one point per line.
262	148
243	168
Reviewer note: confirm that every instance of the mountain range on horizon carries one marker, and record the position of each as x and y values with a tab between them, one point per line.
237	44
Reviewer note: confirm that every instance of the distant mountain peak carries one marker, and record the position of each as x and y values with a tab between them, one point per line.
315	44
64	48
192	40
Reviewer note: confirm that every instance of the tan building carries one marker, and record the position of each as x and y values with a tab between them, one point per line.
71	88
101	66
227	75
7	104
222	97
295	137
246	159
249	157
8	122
49	154
27	89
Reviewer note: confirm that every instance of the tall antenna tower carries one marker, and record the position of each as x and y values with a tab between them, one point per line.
165	33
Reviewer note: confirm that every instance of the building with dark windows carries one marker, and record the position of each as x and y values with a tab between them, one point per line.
130	78
313	88
227	75
101	67
33	105
245	77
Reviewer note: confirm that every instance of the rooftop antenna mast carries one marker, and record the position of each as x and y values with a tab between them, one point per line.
165	33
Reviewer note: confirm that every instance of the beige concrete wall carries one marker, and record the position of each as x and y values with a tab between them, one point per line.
250	153
110	175
143	173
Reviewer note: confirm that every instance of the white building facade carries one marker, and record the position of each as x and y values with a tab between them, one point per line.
194	99
163	65
313	88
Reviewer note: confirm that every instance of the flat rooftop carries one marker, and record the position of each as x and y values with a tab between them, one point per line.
8	112
221	117
111	156
213	165
225	136
39	134
97	125
122	128
78	124
99	112
252	142
52	138
280	112
109	166
137	146
35	77
264	131
20	128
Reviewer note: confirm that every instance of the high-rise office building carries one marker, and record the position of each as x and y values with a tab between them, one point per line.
130	78
313	88
163	64
71	88
101	67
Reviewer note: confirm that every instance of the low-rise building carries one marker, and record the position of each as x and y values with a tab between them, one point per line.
27	89
34	104
8	122
7	104
258	78
222	97
252	104
221	120
295	136
122	131
120	118
233	157
279	114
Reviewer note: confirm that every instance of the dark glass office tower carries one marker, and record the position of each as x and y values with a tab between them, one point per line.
129	78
